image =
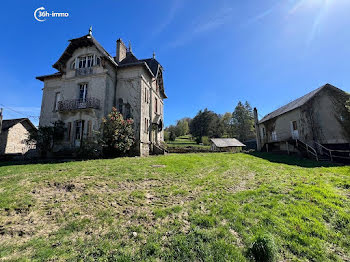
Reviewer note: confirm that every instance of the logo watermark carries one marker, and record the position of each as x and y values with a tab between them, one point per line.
40	14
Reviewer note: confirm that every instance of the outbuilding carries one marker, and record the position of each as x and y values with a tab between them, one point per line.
13	135
226	145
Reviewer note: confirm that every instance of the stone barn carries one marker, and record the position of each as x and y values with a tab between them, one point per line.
226	145
13	134
316	124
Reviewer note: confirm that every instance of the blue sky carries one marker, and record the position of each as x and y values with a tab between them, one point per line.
214	53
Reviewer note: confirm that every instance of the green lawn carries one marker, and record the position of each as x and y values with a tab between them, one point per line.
190	207
185	141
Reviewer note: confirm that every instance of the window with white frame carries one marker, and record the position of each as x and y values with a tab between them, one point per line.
82	62
85	61
263	132
78	130
83	92
57	100
89	61
274	136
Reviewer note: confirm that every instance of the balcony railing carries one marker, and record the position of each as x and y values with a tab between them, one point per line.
83	71
76	104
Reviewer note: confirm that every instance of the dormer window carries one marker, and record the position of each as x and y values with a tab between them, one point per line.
86	61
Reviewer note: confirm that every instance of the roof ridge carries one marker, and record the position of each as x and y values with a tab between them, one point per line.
294	103
8	123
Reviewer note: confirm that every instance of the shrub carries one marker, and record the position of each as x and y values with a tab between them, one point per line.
205	140
166	135
198	139
263	249
172	136
89	149
46	137
117	134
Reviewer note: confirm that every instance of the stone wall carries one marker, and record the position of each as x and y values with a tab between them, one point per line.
109	86
317	121
16	137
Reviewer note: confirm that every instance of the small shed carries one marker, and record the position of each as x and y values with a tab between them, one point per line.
13	134
226	145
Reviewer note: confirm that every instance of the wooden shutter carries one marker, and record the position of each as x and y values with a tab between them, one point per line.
89	128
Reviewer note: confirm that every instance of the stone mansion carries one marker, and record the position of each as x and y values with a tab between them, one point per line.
89	82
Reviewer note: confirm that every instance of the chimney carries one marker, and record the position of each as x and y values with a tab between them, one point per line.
257	131
0	120
121	51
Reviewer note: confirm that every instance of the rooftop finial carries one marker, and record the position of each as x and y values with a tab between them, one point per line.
130	49
90	30
154	55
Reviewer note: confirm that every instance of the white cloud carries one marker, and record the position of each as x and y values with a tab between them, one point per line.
207	24
170	15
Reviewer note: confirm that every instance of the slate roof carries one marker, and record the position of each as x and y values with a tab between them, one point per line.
227	142
130	60
295	104
86	40
7	124
153	64
42	78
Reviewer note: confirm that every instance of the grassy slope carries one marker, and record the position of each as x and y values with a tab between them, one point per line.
194	206
185	141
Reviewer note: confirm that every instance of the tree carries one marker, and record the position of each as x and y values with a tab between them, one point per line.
226	122
117	135
182	127
243	121
166	135
346	118
172	136
46	137
171	130
206	123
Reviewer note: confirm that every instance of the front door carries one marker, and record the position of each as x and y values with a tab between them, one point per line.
294	129
154	136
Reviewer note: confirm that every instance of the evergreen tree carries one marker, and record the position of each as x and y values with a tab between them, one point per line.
243	121
206	123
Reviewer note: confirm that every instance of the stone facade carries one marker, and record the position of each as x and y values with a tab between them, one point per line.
315	118
14	135
90	82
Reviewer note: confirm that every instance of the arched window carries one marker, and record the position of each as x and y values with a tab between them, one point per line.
72	65
120	105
